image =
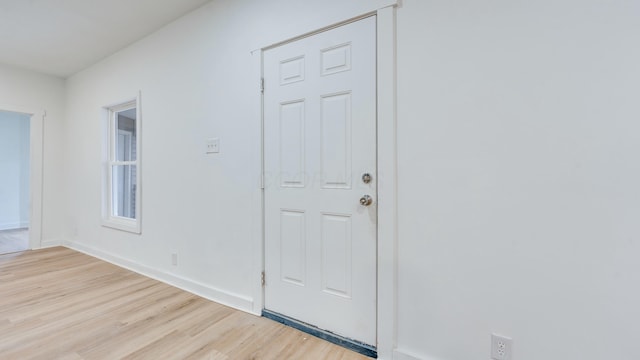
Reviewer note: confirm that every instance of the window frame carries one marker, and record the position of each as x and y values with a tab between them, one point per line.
109	219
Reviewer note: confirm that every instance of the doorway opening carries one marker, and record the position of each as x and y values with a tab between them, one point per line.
15	192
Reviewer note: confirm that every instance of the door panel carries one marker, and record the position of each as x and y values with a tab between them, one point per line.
292	247
292	135
336	254
336	149
319	139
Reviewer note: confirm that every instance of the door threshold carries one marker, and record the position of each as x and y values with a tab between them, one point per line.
347	343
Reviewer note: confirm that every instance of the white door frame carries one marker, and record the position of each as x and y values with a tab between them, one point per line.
387	178
36	155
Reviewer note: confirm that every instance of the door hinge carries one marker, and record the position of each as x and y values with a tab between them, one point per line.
262	85
262	276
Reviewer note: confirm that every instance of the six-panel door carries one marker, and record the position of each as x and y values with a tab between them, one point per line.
319	140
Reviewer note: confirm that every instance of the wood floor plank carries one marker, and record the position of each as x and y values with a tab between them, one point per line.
61	304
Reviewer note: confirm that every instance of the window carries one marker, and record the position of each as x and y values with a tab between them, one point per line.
122	173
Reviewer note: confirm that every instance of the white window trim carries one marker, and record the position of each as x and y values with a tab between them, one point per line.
108	219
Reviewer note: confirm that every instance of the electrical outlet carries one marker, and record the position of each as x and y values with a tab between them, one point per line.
174	259
501	347
212	145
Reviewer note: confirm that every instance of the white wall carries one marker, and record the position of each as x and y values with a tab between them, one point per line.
14	170
518	178
20	89
517	142
198	79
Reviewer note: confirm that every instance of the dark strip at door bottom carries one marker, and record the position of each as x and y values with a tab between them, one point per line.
350	344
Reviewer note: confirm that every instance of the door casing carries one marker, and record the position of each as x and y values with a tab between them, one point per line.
36	155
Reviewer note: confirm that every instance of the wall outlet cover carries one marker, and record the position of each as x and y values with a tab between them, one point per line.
501	347
174	259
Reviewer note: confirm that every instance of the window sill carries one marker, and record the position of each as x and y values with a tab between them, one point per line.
124	224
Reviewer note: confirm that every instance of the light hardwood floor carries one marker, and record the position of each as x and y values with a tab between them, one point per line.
60	304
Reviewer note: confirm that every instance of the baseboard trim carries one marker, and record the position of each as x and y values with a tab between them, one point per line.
239	302
356	346
399	354
49	243
14	226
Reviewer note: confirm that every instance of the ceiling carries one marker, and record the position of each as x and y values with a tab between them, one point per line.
62	37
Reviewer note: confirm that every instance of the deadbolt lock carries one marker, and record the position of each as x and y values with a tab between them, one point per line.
366	178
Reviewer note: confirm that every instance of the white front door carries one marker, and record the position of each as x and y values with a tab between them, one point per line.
319	141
